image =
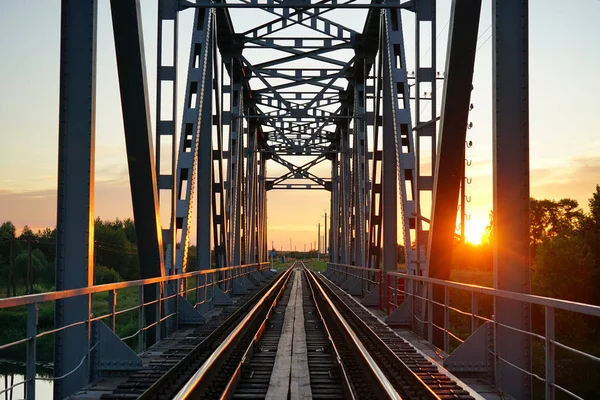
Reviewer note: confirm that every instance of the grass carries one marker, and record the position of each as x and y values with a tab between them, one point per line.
317	265
14	321
482	278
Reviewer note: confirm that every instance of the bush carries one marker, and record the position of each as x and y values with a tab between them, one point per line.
104	275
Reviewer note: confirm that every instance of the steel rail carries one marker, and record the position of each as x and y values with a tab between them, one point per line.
155	390
385	385
427	391
230	388
213	360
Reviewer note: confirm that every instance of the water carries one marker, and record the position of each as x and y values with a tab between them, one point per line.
43	388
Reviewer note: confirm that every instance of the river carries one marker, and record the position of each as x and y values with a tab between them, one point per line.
43	388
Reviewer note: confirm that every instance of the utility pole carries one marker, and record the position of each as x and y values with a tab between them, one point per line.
29	285
319	241
325	242
291	245
11	266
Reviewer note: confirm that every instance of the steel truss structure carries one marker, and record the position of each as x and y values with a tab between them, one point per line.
301	87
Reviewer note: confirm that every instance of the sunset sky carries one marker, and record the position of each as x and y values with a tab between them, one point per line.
564	104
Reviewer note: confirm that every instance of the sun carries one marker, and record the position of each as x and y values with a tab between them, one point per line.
474	230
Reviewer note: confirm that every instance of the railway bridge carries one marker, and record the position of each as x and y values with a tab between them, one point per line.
300	83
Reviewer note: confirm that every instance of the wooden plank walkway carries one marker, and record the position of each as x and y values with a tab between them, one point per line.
290	377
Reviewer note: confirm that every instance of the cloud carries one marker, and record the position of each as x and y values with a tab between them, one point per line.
38	208
577	179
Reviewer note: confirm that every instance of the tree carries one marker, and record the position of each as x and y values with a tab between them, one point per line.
563	269
488	233
114	250
38	267
549	218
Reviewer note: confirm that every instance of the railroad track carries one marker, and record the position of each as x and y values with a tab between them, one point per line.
161	378
393	353
303	341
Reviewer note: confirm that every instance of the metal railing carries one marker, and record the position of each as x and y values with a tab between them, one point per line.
421	288
391	293
201	283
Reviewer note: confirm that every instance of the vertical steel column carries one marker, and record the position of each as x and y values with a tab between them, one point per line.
205	166
389	172
234	189
75	214
262	201
345	190
129	48
397	122
218	179
166	74
334	229
250	211
511	191
376	208
199	73
425	125
361	176
460	64
352	193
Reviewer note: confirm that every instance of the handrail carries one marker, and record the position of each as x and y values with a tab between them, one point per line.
64	294
550	305
567	305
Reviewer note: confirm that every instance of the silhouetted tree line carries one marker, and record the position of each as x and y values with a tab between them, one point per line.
565	255
28	259
565	249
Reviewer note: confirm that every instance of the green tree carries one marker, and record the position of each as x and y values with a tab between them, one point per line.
563	268
114	250
104	275
38	268
549	218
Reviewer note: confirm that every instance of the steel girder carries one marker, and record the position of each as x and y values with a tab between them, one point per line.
194	117
166	77
75	213
126	17
460	63
234	172
397	123
511	194
361	174
426	78
219	220
334	212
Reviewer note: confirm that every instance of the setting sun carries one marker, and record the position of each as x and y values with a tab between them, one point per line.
474	230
